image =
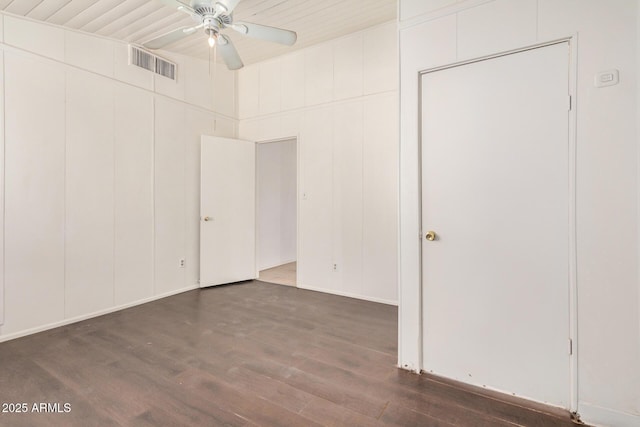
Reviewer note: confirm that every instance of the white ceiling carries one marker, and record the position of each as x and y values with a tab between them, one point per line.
138	21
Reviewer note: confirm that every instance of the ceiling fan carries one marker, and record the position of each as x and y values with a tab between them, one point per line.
214	16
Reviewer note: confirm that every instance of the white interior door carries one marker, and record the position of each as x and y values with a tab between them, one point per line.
495	189
227	211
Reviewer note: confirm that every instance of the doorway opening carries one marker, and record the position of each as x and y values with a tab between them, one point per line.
277	211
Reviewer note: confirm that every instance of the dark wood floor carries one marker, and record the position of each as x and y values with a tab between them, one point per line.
245	354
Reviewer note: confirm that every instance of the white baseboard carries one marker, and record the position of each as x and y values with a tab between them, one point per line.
71	320
605	417
349	294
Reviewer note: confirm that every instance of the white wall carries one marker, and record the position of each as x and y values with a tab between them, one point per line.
276	176
101	174
2	172
439	32
340	98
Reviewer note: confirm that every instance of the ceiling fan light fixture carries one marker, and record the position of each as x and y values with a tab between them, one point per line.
213	34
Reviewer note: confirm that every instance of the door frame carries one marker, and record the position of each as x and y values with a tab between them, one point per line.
572	145
296	140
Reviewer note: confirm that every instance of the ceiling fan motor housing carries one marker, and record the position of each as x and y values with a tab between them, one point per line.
212	17
211	27
217	11
204	9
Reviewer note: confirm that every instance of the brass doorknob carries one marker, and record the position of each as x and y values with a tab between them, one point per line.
431	236
208	218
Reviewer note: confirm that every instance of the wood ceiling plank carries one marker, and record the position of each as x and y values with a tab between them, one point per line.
142	24
332	12
22	7
349	20
253	8
195	43
47	8
163	26
196	50
119	12
290	11
327	17
146	8
93	12
69	10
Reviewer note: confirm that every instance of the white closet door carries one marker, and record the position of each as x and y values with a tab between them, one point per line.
227	211
495	182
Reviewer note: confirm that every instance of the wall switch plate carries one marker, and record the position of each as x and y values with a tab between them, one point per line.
607	78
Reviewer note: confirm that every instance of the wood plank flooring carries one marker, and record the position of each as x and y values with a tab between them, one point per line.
240	355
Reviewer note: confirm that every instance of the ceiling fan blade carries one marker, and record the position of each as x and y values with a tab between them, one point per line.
229	53
225	7
170	37
263	32
181	6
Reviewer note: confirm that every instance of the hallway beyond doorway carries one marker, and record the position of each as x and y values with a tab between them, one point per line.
284	274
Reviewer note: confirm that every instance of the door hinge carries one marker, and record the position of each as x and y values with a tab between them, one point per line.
575	418
570	346
570	103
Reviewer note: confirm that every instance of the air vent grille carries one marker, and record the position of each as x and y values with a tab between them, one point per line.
143	59
155	64
165	68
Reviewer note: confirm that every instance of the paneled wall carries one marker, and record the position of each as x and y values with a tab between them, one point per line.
340	99
134	195
34	216
2	191
438	32
89	193
101	170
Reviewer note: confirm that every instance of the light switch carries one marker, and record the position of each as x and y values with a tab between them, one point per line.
607	78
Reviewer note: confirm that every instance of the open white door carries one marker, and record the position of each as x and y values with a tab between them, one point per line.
227	211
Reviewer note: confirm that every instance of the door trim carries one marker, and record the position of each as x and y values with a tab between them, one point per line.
572	42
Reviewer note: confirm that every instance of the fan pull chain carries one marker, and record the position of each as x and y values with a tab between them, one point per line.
215	69
215	64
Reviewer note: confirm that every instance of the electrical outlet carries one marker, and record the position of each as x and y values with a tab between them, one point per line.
181	263
335	267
